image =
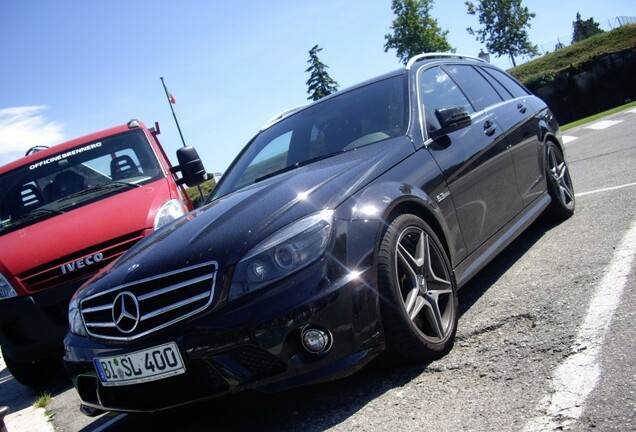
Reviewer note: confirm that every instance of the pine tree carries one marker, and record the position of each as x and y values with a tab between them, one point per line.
320	84
583	29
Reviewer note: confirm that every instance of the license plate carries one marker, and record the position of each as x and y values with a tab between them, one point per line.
141	366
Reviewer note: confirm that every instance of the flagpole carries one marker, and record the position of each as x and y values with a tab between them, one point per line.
165	89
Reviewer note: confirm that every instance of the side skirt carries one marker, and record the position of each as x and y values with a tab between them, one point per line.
486	252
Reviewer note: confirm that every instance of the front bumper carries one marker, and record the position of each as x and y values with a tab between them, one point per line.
253	345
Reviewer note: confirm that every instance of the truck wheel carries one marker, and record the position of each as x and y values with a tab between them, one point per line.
34	374
419	296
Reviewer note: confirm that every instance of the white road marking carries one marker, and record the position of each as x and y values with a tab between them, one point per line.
632	111
110	423
576	377
578	195
568	138
603	124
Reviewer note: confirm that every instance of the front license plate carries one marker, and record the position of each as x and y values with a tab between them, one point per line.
141	366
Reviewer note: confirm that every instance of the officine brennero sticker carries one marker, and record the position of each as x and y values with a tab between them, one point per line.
65	155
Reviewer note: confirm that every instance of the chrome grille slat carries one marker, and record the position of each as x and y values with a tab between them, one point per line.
101	325
98	308
159	302
171	288
172	307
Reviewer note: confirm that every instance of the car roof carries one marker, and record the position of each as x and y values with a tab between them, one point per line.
424	58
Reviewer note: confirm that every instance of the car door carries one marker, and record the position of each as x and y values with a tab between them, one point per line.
475	161
518	116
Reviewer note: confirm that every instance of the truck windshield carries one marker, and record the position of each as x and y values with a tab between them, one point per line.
349	120
75	177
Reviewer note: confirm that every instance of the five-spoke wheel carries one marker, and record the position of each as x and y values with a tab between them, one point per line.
419	305
559	183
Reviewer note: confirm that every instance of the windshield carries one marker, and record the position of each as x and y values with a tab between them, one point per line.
349	120
75	177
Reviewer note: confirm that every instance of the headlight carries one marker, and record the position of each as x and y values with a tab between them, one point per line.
76	325
168	212
283	253
6	290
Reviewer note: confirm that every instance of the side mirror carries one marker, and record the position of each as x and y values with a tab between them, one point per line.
191	168
452	119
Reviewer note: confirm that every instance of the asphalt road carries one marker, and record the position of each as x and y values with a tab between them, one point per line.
545	340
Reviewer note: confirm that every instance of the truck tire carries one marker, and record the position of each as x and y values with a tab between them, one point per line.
36	373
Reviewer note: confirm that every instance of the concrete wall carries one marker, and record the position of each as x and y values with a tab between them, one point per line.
605	83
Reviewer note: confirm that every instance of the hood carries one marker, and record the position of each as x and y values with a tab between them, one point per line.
80	230
226	229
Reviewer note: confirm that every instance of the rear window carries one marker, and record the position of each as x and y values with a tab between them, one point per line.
510	84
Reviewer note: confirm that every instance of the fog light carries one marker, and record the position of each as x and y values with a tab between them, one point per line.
316	341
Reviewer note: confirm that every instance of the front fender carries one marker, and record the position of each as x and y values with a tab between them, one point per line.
423	193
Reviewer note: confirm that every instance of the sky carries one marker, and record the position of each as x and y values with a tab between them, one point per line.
72	67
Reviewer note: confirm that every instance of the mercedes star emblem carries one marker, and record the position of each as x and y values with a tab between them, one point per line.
126	312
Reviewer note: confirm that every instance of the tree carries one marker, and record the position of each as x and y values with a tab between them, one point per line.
504	31
414	30
584	29
319	84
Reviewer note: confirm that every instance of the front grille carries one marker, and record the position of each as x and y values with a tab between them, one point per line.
51	274
138	308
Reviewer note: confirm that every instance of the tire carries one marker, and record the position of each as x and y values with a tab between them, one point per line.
560	185
419	295
34	374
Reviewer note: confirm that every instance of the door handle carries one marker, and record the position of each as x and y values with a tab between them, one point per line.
489	128
522	108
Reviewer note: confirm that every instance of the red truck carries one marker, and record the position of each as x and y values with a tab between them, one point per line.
65	213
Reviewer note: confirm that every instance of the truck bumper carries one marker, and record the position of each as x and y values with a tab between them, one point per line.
33	327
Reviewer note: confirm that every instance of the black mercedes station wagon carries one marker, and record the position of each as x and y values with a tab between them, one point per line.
341	231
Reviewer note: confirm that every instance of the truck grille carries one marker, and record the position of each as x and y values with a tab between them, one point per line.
132	310
51	275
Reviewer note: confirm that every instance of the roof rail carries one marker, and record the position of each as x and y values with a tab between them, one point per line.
423	56
281	116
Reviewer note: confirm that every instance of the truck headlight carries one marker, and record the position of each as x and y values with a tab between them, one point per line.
285	252
169	211
6	290
76	324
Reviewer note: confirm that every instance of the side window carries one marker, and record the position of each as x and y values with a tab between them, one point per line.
437	92
503	92
481	93
510	84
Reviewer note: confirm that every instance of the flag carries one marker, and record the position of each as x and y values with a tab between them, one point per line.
170	97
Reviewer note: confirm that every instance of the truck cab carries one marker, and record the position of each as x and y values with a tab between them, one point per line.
67	212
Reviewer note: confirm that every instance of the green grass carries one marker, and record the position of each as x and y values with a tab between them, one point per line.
539	72
42	400
596	116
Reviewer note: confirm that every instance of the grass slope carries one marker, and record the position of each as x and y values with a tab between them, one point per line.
537	73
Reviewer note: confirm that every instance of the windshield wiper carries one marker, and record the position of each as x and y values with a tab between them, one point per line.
296	165
99	187
36	214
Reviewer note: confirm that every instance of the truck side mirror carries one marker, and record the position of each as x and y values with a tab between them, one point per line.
191	168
